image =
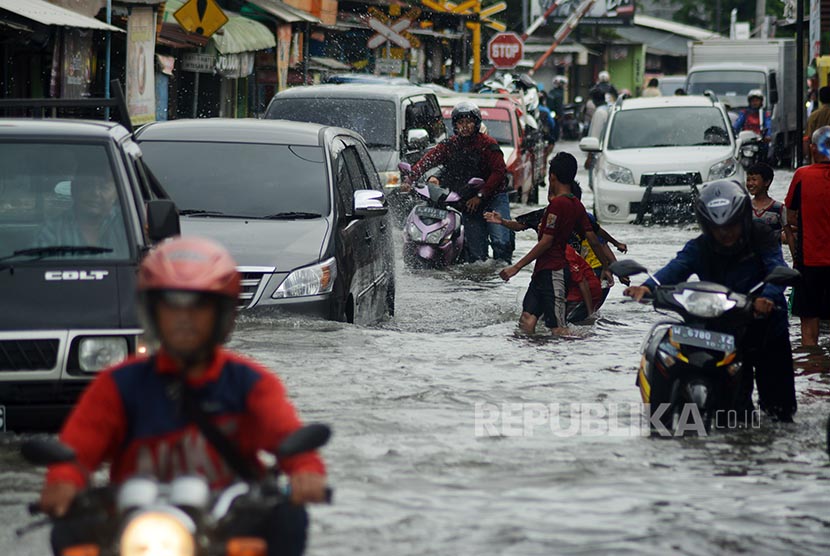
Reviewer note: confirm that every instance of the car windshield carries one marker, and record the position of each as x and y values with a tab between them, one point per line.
57	195
684	126
730	86
240	179
668	85
500	130
375	120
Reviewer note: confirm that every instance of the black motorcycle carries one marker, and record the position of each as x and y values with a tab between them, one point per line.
183	516
690	369
570	121
753	149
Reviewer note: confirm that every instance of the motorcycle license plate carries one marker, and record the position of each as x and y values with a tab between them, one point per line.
431	212
706	339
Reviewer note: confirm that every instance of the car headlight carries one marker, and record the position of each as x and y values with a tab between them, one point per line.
618	174
390	179
435	236
723	169
310	280
158	533
413	232
99	352
704	304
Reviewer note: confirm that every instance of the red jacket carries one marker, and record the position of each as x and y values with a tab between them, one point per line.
478	156
126	417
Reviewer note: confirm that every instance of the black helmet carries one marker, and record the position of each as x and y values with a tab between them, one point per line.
466	109
722	203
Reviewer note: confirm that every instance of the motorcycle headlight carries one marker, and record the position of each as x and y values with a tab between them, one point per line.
618	174
310	280
435	236
96	353
413	232
723	169
704	304
158	533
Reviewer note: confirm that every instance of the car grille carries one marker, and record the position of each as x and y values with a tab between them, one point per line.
252	279
28	355
671	180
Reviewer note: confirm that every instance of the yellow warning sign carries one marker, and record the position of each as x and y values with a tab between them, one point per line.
203	17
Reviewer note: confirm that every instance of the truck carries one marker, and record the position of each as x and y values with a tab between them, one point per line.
78	212
732	68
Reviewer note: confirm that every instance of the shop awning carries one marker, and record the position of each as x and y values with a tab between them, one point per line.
174	36
657	42
49	14
283	11
239	34
319	62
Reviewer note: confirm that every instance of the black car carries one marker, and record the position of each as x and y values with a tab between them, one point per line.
77	213
299	206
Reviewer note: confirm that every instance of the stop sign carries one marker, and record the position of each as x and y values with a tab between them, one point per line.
505	50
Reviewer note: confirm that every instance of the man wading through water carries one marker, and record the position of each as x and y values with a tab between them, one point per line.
547	294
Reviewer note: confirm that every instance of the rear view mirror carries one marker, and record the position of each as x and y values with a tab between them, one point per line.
46	452
405	167
306	439
626	268
475	182
417	139
589	144
162	220
368	202
746	136
783	276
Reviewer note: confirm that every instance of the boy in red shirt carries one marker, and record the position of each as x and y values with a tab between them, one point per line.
584	288
547	295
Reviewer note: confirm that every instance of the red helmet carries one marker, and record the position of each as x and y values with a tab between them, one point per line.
192	264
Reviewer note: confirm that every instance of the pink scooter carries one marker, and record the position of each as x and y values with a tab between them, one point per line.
433	233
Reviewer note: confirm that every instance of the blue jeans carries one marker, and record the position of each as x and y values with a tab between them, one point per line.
477	232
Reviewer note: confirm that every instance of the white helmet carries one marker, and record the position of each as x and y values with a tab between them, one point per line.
560	80
755	93
604	76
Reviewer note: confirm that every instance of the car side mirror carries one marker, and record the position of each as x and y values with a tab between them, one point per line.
417	139
589	144
367	202
783	276
162	220
626	268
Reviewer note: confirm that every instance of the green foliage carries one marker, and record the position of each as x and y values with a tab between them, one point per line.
703	13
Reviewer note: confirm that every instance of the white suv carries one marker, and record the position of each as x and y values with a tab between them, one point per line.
653	152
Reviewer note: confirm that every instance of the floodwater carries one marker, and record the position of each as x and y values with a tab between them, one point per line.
453	434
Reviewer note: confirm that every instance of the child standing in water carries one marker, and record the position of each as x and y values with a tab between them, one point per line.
764	208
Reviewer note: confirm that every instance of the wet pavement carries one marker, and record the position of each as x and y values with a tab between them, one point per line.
453	434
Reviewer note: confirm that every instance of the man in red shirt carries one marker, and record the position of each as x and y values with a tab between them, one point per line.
808	217
547	293
130	417
584	288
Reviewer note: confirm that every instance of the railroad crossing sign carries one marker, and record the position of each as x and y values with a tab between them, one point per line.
505	50
392	31
470	7
203	17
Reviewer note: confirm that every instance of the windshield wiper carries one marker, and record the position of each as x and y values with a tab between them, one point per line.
204	212
52	250
41	252
292	216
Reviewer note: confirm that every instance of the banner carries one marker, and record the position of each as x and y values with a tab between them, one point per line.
603	12
76	71
283	55
141	46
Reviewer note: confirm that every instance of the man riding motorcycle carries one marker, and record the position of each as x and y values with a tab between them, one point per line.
471	154
139	415
736	252
754	118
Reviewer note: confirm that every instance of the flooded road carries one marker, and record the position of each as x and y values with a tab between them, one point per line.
453	434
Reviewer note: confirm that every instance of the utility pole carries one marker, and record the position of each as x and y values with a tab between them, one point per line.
717	16
760	15
799	82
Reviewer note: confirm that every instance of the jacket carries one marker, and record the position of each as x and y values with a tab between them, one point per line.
464	158
127	417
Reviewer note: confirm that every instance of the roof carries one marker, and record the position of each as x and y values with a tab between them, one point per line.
49	14
480	101
669	26
349	90
657	42
235	130
60	128
666	102
282	11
